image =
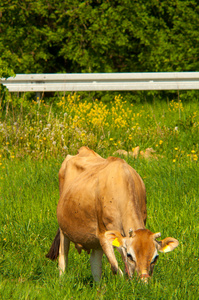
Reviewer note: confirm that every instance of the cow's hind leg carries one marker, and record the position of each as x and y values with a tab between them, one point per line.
96	264
63	252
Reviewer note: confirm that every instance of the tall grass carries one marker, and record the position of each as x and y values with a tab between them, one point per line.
40	129
29	193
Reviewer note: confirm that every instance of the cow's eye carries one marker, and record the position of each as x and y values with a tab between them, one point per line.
130	256
154	259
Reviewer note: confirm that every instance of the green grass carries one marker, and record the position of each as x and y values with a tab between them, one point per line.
29	194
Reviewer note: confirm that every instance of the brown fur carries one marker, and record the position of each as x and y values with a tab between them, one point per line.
82	170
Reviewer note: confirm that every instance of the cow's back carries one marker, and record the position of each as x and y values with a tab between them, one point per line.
73	165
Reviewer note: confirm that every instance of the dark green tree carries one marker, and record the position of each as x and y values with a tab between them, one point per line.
48	36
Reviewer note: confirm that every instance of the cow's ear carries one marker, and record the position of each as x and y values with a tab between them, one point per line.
167	245
115	238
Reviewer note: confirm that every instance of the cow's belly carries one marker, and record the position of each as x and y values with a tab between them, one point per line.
78	220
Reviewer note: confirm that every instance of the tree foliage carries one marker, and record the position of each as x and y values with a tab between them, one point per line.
50	36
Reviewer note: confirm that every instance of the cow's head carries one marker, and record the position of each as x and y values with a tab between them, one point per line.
140	250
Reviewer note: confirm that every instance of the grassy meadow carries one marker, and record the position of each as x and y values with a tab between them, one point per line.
36	136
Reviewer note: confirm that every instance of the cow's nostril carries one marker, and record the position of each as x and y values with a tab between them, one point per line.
144	278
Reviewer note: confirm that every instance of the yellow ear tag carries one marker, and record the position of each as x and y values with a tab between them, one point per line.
116	243
166	249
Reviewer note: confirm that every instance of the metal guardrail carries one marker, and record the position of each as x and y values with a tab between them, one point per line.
102	82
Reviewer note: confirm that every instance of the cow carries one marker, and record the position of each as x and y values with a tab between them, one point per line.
102	206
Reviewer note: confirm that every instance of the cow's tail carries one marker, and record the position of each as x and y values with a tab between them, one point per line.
54	249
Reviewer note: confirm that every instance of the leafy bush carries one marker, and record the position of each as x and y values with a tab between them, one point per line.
99	36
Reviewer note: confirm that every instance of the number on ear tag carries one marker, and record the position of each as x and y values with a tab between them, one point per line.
116	243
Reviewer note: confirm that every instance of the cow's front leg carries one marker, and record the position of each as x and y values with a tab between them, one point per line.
96	264
63	252
109	252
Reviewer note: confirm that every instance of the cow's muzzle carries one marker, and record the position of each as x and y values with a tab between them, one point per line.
144	277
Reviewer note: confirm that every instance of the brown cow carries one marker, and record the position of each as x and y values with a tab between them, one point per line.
102	205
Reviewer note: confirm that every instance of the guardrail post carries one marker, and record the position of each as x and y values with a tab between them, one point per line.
38	96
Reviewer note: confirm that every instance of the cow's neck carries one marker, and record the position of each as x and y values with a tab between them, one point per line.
132	220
